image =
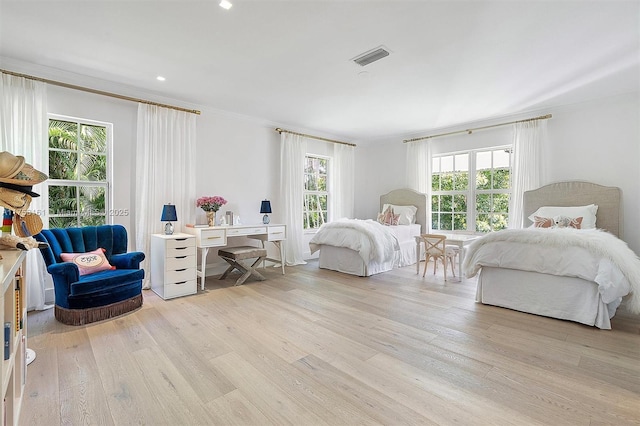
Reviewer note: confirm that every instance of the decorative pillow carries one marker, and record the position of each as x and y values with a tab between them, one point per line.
588	214
567	222
557	222
407	213
90	262
388	217
542	222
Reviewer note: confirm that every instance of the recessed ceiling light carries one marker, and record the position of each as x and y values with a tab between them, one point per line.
225	4
160	78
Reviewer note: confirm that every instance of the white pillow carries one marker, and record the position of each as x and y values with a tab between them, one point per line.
588	214
407	213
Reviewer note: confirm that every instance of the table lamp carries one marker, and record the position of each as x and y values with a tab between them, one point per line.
169	215
265	208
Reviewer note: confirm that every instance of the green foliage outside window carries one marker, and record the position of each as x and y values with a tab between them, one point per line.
77	157
316	196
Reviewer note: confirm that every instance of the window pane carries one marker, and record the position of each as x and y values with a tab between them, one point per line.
62	200
435	182
501	179
462	162
483	203
92	200
63	135
435	165
62	165
435	203
483	179
94	138
435	223
446	203
462	181
501	158
446	163
93	167
483	160
501	203
446	182
459	222
446	221
482	223
322	183
499	221
459	203
323	202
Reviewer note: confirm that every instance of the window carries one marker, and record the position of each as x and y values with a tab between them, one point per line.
78	184
316	195
461	202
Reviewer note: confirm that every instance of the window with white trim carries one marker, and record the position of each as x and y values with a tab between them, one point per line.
78	184
316	192
471	190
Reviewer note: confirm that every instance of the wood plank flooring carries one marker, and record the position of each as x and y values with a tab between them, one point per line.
317	347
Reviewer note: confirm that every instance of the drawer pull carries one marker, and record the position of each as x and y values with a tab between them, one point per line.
181	257
181	248
213	238
183	282
277	233
180	270
181	239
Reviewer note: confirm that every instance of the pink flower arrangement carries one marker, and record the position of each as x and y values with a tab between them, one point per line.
210	204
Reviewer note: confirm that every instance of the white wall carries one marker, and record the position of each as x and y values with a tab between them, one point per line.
596	141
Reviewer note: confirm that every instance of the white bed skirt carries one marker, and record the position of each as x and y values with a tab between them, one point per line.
553	296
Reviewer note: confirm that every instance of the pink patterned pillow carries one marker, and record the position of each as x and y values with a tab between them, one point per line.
388	217
542	222
90	262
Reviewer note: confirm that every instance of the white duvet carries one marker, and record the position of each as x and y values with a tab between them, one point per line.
369	238
593	255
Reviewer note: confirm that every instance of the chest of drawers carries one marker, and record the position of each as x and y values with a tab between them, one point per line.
173	265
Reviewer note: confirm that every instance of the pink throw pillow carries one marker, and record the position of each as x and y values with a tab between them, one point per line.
90	262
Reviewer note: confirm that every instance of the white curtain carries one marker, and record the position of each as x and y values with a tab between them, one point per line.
23	131
418	169
527	169
293	149
343	185
165	172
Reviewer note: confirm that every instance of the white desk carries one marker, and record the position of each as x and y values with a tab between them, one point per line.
459	240
216	236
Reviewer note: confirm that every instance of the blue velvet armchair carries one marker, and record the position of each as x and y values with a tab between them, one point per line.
83	299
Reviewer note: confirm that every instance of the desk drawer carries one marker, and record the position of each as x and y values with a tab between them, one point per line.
180	262
178	289
180	243
181	251
231	232
277	233
212	237
179	275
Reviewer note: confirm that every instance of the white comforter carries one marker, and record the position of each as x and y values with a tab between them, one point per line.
369	238
593	255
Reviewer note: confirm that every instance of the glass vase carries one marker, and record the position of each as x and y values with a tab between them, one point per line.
211	218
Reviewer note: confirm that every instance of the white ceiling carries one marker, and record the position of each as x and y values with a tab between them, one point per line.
288	62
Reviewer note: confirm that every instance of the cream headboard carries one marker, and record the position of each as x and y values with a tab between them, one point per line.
408	197
577	193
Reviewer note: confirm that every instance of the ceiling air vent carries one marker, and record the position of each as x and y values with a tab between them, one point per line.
371	56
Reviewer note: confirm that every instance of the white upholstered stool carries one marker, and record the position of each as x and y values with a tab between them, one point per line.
234	257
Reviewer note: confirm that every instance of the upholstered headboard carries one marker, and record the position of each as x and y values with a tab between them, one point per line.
408	197
577	193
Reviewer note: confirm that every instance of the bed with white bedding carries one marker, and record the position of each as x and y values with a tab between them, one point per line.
365	247
580	275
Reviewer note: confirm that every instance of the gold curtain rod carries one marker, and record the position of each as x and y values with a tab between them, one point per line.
469	131
98	92
279	130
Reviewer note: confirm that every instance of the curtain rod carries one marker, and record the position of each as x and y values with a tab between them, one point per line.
469	131
279	130
98	92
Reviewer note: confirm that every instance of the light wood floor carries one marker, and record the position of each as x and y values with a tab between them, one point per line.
320	347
